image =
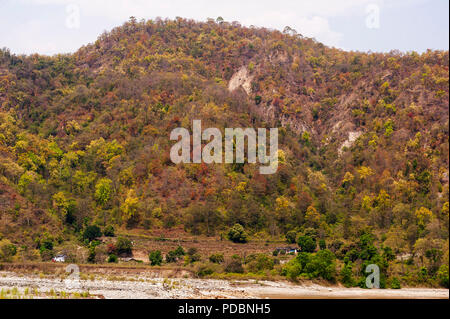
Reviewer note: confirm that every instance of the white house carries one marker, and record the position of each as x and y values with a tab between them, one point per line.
59	258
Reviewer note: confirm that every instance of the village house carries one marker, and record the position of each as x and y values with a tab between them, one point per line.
59	258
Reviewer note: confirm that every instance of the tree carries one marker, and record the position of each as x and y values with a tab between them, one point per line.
66	207
291	237
155	258
103	191
7	250
442	275
424	216
92	232
109	231
124	246
92	254
237	234
259	262
130	209
307	244
180	251
322	244
347	274
312	217
366	248
171	257
322	264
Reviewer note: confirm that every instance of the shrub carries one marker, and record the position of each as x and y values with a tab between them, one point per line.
46	254
111	249
442	275
193	256
260	262
292	270
46	244
7	250
335	246
291	237
234	265
237	234
179	251
295	267
422	275
346	274
91	232
124	246
112	258
303	259
109	231
322	264
307	244
322	244
155	258
216	258
388	254
395	283
204	270
171	257
92	254
319	265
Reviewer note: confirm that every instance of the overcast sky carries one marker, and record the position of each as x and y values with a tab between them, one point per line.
59	26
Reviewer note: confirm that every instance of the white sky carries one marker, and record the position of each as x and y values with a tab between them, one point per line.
52	26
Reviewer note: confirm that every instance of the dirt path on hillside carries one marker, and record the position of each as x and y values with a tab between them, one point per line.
164	288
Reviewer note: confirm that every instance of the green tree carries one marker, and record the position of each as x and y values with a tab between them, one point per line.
346	275
109	231
307	244
291	237
237	234
155	258
112	258
442	275
259	263
322	265
92	232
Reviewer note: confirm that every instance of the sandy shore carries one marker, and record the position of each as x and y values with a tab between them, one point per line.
163	288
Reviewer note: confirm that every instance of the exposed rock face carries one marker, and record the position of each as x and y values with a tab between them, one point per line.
296	124
352	137
241	78
279	57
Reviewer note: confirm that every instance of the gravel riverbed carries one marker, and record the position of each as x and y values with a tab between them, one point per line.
141	287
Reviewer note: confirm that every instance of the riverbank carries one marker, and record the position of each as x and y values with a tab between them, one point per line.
145	287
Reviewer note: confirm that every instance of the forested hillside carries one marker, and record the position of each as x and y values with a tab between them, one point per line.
84	141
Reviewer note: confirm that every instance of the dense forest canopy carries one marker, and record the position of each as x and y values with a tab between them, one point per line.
84	140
